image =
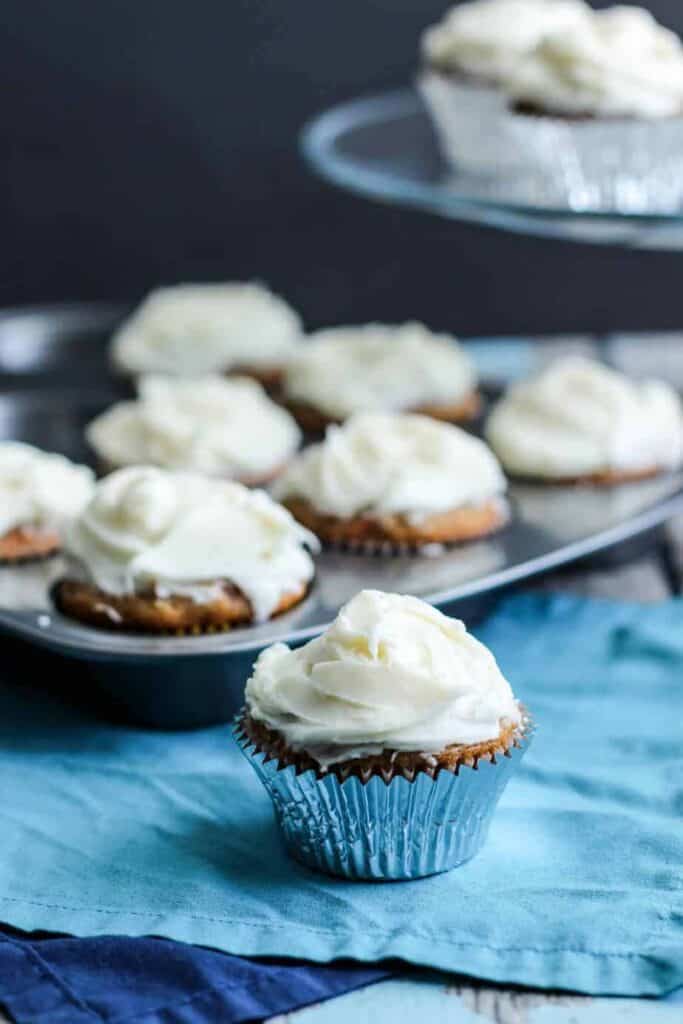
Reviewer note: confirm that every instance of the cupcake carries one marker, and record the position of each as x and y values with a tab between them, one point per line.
398	479
226	427
467	57
39	494
380	368
579	421
386	742
599	113
160	552
209	328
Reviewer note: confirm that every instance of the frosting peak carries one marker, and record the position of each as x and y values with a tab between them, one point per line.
382	463
222	426
488	38
207	328
390	673
184	534
617	62
39	488
579	417
373	367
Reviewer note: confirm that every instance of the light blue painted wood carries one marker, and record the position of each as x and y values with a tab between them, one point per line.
417	998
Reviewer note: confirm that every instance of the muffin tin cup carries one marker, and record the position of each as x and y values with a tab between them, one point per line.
601	165
387	828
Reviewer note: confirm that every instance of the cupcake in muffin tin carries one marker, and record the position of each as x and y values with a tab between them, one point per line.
466	59
39	494
367	739
161	552
193	329
396	479
579	421
226	427
380	367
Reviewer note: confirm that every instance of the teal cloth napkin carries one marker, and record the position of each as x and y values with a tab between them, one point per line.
113	830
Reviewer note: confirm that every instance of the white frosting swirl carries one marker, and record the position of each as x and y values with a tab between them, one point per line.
390	673
579	417
379	463
488	38
376	367
40	489
222	426
616	63
183	534
207	328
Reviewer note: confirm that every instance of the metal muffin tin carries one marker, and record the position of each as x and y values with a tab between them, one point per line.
54	377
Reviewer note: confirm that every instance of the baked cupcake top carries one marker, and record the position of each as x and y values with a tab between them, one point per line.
221	426
390	673
373	367
182	534
207	328
487	38
614	63
40	489
579	417
383	463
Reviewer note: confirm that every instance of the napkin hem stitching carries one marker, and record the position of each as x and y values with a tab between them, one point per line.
327	931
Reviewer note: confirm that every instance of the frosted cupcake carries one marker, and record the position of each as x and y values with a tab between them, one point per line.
380	368
579	421
174	552
396	478
193	329
225	427
467	57
366	739
39	494
599	112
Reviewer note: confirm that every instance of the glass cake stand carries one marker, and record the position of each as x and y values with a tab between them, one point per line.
383	147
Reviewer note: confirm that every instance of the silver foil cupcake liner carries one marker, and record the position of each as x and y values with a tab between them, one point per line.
385	828
472	124
595	164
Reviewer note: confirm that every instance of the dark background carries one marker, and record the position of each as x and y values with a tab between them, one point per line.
150	141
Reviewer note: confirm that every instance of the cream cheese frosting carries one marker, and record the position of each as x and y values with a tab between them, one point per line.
374	367
40	489
579	417
390	673
221	426
184	534
488	38
383	463
207	328
615	63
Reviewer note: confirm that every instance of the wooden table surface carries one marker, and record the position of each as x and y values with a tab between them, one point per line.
419	995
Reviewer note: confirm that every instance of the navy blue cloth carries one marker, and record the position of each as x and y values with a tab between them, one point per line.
51	979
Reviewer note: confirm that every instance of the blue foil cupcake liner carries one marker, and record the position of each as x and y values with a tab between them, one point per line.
385	828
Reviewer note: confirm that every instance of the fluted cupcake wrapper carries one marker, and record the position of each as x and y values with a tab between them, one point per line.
630	166
389	548
472	124
387	828
627	165
424	548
